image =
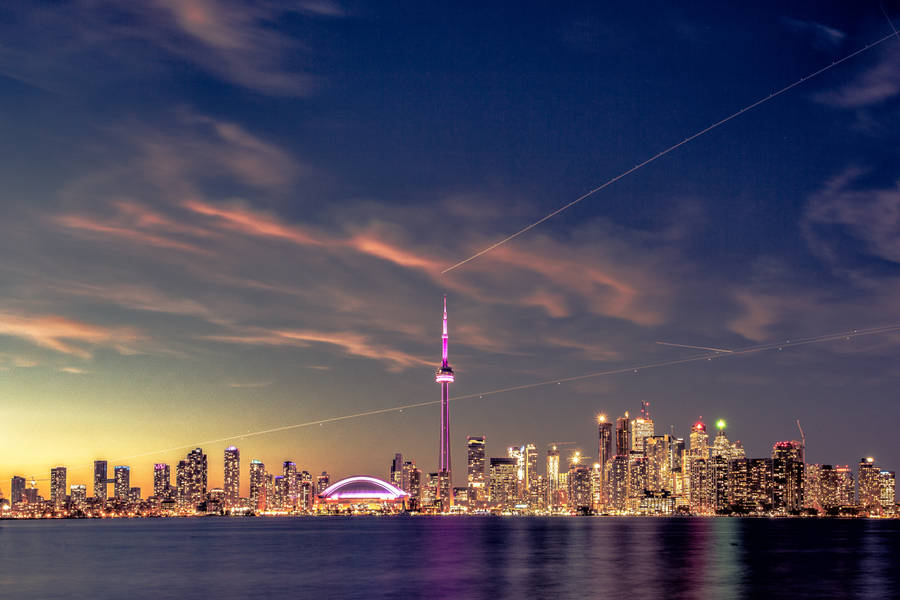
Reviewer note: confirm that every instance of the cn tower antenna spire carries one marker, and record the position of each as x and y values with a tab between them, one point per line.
444	338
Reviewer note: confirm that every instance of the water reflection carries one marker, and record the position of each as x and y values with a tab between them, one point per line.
491	558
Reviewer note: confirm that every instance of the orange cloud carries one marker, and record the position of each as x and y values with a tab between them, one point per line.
255	223
129	234
353	344
61	334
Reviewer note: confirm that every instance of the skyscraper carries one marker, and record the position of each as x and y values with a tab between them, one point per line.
835	487
867	479
532	490
623	435
122	484
657	451
397	471
191	479
322	482
503	483
305	489
257	485
617	483
887	494
553	477
16	491
787	477
579	486
444	377
58	487
518	453
750	484
78	496
101	477
475	447
232	481
291	489
641	428
604	453
162	480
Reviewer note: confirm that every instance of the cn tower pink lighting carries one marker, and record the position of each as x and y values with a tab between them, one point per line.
444	376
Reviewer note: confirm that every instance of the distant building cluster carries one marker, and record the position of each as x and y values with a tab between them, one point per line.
289	491
638	472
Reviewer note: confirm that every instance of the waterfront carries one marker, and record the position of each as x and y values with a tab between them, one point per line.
446	557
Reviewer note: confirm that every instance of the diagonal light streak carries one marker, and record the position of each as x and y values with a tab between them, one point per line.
668	150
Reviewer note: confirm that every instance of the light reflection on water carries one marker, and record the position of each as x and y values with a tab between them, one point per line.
426	557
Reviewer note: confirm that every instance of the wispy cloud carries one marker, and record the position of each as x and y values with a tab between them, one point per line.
872	87
232	40
64	335
352	344
822	36
74	370
871	216
249	384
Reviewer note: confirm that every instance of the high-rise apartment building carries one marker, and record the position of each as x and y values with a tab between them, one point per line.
58	487
257	485
162	481
101	479
232	481
122	485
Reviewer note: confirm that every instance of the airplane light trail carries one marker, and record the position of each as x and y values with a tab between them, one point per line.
670	149
633	368
694	347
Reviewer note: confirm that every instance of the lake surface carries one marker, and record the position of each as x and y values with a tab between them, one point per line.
435	557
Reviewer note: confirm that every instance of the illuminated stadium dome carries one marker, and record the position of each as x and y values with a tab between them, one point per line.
362	490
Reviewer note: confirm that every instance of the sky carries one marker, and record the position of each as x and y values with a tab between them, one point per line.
222	217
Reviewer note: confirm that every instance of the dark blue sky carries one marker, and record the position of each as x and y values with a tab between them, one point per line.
224	217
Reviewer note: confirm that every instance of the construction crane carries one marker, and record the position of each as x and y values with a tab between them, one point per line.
802	442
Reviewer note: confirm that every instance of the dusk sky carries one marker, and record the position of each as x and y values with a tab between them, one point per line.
223	217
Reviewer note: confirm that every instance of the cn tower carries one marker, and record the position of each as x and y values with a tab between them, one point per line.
444	376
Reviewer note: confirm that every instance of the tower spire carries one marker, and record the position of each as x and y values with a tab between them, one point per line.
444	337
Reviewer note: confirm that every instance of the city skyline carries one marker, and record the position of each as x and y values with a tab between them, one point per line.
222	219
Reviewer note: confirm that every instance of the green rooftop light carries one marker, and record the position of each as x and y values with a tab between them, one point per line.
720	423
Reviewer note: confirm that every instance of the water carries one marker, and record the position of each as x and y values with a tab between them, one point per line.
434	557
